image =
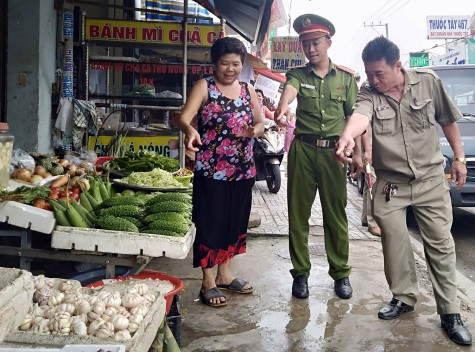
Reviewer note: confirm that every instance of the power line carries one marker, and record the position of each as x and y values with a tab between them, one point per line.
378	10
392	13
389	8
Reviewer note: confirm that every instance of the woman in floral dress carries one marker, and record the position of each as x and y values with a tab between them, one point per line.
228	118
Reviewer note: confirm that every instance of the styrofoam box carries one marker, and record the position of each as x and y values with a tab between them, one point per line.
26	216
121	242
140	341
16	295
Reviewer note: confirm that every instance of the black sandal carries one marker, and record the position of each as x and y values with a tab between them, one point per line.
207	296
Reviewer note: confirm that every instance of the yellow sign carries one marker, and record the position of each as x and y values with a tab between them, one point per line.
286	53
158	144
151	32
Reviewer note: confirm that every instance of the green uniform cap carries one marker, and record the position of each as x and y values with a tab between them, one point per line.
313	24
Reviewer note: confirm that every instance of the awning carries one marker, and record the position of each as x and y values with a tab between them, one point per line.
269	74
249	18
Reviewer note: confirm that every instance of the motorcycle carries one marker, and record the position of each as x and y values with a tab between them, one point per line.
268	154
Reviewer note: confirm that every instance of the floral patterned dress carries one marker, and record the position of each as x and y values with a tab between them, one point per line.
224	176
222	155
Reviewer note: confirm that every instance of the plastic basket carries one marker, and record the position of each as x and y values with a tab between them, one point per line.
185	180
150	274
101	160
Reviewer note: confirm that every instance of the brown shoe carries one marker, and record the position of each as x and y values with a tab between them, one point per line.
375	231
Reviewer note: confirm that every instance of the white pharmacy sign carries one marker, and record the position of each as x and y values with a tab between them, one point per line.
448	27
457	56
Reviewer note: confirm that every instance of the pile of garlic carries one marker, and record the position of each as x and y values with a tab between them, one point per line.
68	310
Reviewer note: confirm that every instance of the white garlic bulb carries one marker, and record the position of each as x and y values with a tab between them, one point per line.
131	300
120	322
141	310
79	328
83	307
122	335
113	300
141	289
26	323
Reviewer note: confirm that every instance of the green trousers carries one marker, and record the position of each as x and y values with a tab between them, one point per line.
312	169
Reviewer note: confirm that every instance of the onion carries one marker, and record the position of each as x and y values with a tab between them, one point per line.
35	178
40	170
64	162
22	174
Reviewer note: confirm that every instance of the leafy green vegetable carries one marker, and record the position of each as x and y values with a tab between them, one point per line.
142	161
24	194
155	178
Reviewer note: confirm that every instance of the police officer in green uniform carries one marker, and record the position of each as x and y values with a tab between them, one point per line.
403	107
325	95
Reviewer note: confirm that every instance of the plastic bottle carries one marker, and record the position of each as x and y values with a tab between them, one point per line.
6	148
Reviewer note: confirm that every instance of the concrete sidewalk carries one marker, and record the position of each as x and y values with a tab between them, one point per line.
270	319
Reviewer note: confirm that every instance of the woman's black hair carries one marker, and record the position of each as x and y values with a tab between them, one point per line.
381	48
228	45
260	91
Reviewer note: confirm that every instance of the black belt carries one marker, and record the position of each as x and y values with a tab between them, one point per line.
322	142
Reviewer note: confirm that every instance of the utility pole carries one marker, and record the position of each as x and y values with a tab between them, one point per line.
379	25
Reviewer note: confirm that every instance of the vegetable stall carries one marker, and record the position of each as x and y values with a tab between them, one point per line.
119	214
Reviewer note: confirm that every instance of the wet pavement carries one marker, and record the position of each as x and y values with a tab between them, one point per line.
270	319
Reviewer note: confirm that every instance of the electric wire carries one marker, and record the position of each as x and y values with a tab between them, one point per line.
384	5
396	10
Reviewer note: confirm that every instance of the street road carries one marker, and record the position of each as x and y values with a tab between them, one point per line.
463	231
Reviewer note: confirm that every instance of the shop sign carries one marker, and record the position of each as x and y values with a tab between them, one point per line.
150	68
157	144
418	59
458	56
448	27
151	32
68	68
286	52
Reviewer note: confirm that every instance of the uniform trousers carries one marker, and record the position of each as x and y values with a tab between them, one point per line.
312	169
367	212
430	200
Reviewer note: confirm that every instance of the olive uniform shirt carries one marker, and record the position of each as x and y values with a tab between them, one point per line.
323	103
405	139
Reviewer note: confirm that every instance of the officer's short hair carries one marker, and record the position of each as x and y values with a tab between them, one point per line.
227	45
381	48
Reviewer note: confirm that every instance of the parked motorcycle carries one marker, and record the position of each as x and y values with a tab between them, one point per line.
268	154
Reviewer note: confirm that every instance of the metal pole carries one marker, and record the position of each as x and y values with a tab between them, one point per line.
181	138
387	31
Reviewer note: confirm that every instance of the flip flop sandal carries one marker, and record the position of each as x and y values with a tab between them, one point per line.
237	285
210	294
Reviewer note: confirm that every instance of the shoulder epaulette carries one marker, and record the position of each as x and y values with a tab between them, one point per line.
425	70
346	69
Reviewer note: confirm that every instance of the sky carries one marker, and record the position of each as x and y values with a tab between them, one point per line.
406	21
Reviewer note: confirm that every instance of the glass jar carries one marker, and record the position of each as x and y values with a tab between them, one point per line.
6	149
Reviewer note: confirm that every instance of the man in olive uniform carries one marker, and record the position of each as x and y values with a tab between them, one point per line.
325	94
403	107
